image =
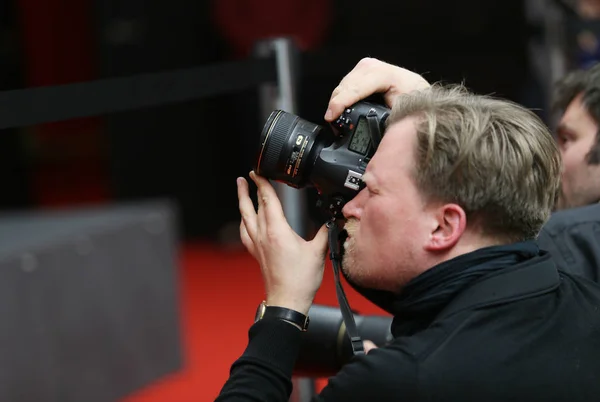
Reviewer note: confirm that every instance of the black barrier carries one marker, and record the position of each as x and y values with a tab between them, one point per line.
31	106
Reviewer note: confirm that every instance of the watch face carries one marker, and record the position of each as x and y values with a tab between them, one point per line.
260	311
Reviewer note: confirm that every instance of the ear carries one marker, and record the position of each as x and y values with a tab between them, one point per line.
450	222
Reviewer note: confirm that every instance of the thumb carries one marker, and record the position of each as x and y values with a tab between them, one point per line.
321	239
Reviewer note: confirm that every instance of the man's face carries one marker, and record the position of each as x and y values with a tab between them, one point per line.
576	135
386	233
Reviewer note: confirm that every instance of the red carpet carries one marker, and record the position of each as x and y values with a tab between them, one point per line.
219	294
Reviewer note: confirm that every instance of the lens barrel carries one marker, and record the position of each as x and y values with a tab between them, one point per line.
286	148
326	347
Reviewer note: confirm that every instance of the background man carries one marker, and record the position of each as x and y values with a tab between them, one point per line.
572	234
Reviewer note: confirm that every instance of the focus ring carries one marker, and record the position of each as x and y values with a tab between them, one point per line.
274	143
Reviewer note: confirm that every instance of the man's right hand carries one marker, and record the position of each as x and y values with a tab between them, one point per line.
371	76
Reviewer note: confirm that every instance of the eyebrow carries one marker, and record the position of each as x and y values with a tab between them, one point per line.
565	129
568	125
369	180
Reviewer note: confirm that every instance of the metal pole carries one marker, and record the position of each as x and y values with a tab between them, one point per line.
283	96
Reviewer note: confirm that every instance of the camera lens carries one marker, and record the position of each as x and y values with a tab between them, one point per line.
288	148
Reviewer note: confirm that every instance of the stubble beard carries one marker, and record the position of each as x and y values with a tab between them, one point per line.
367	276
350	265
348	261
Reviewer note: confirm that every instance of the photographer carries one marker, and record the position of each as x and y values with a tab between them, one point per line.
572	235
442	237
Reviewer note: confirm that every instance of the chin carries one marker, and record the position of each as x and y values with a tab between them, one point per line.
358	275
352	271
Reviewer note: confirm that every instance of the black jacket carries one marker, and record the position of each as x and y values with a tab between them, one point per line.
572	237
498	324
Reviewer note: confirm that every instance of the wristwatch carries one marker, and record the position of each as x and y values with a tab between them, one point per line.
264	311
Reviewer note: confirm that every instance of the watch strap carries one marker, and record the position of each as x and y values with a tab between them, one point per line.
287	314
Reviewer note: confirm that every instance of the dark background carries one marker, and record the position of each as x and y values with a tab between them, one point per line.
192	152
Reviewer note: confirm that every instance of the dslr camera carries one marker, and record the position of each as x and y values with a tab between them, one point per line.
302	154
332	159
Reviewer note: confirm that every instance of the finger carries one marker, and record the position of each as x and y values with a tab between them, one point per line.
358	84
260	214
362	68
247	210
246	240
368	346
268	200
356	89
321	240
373	76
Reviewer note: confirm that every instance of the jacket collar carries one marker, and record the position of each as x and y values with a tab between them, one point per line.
530	278
485	276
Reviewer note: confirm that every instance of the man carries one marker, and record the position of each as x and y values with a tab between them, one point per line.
578	96
442	238
572	235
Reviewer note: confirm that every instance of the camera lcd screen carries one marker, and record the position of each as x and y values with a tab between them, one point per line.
361	139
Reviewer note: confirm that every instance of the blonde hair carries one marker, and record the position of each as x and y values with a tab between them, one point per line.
494	158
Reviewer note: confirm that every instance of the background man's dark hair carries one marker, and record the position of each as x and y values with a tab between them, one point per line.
587	83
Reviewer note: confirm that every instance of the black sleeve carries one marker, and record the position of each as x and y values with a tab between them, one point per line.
263	373
385	374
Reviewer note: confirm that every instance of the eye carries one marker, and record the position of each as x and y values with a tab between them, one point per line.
371	190
563	139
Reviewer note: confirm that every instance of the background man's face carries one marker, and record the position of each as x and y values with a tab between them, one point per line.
576	135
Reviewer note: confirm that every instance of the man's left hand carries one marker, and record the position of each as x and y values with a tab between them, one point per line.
292	268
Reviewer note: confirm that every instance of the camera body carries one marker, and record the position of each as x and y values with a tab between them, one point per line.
301	154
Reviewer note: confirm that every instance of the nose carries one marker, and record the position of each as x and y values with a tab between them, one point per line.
353	208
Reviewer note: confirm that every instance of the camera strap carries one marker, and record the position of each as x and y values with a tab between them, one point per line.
347	315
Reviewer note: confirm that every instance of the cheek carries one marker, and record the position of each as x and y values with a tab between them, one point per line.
573	159
381	225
